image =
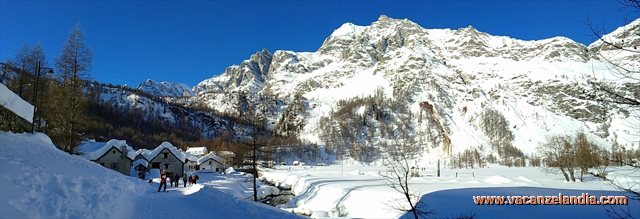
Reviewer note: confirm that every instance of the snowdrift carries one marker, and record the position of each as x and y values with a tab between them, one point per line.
39	181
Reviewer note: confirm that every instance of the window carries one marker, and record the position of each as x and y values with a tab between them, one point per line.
113	152
166	166
209	162
155	165
165	155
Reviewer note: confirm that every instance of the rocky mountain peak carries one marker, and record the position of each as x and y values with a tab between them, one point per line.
261	56
261	61
366	45
462	73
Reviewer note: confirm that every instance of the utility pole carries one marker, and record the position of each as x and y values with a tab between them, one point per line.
438	168
255	168
35	98
35	93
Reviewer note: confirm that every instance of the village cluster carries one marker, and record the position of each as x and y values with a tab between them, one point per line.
143	163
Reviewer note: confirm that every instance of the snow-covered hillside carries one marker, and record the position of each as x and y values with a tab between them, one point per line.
535	85
170	110
165	89
40	181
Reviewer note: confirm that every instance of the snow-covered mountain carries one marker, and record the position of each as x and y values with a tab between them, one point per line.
167	110
622	47
165	89
536	86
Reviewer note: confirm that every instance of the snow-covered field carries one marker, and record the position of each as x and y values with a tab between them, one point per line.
39	181
358	191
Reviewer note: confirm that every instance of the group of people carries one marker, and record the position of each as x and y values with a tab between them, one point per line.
174	180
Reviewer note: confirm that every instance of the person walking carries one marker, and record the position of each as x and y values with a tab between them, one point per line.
177	179
184	180
163	181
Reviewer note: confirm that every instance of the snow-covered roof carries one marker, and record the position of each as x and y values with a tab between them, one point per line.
143	152
89	146
140	162
94	150
198	151
175	151
191	157
226	153
210	156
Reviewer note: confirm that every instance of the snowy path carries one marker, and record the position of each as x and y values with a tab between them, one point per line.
202	200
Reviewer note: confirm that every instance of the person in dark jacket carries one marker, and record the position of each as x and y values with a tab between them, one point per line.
184	179
177	179
195	179
163	181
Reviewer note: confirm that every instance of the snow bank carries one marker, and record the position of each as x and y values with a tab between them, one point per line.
498	180
335	191
41	181
457	203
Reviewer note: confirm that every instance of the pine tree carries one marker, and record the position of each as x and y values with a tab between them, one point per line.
73	65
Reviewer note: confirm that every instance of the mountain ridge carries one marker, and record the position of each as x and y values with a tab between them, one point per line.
463	74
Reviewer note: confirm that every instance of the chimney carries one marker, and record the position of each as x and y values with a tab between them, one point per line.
124	151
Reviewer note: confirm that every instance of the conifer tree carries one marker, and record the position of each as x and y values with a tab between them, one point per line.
73	66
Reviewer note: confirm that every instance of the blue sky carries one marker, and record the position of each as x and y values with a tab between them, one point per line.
189	41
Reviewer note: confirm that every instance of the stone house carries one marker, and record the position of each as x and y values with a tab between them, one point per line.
167	157
114	154
211	162
141	162
192	163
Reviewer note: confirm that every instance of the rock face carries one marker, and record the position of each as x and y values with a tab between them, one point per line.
165	89
536	87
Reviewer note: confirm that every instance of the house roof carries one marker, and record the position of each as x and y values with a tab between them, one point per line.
89	146
92	150
166	145
226	153
210	156
144	153
140	162
198	151
191	157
